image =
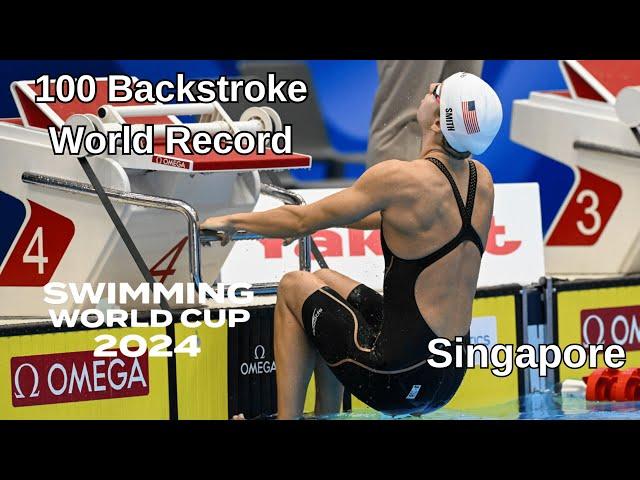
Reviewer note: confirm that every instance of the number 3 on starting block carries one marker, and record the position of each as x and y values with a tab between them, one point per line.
587	213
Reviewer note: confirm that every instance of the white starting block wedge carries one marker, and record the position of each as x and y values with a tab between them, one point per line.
597	229
55	229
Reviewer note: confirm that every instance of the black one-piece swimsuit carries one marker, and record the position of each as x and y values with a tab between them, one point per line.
376	345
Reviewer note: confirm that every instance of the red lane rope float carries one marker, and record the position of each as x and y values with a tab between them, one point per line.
610	384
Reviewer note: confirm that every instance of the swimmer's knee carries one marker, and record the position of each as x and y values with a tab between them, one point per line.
324	274
292	280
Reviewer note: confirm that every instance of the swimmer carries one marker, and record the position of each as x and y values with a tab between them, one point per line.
434	215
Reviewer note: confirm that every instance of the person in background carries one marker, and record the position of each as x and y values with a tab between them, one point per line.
394	131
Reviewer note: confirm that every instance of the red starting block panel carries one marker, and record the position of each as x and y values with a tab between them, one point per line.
559	93
600	80
233	161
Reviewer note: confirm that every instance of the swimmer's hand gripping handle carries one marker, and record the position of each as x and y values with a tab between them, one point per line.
209	236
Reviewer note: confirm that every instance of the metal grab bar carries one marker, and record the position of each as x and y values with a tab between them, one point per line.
208	236
195	237
131	198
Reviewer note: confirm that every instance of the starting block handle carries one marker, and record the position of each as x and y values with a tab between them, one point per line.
160	130
253	120
158	110
208	236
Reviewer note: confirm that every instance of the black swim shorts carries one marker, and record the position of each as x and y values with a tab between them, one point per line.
379	356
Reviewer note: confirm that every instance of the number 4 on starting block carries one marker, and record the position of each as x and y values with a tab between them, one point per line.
38	249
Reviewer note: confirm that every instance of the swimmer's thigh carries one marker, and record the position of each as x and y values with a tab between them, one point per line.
336	329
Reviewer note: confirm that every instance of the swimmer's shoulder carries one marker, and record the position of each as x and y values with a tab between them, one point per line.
411	177
408	179
394	172
392	165
484	187
390	179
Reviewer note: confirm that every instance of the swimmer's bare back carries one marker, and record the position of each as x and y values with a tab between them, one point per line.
422	216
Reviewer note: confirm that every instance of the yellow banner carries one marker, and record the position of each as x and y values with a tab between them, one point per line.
480	387
202	380
599	315
53	376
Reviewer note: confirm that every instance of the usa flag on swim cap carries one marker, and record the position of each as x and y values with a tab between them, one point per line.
470	117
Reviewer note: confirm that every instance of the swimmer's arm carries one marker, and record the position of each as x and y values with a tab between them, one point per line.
370	222
371	193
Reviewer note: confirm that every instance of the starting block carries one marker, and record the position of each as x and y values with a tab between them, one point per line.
55	229
593	128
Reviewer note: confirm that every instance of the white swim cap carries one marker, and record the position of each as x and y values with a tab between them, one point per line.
470	113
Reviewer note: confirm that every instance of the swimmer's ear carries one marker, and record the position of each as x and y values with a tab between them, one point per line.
436	125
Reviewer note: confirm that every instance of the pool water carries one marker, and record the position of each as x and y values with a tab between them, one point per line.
536	406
